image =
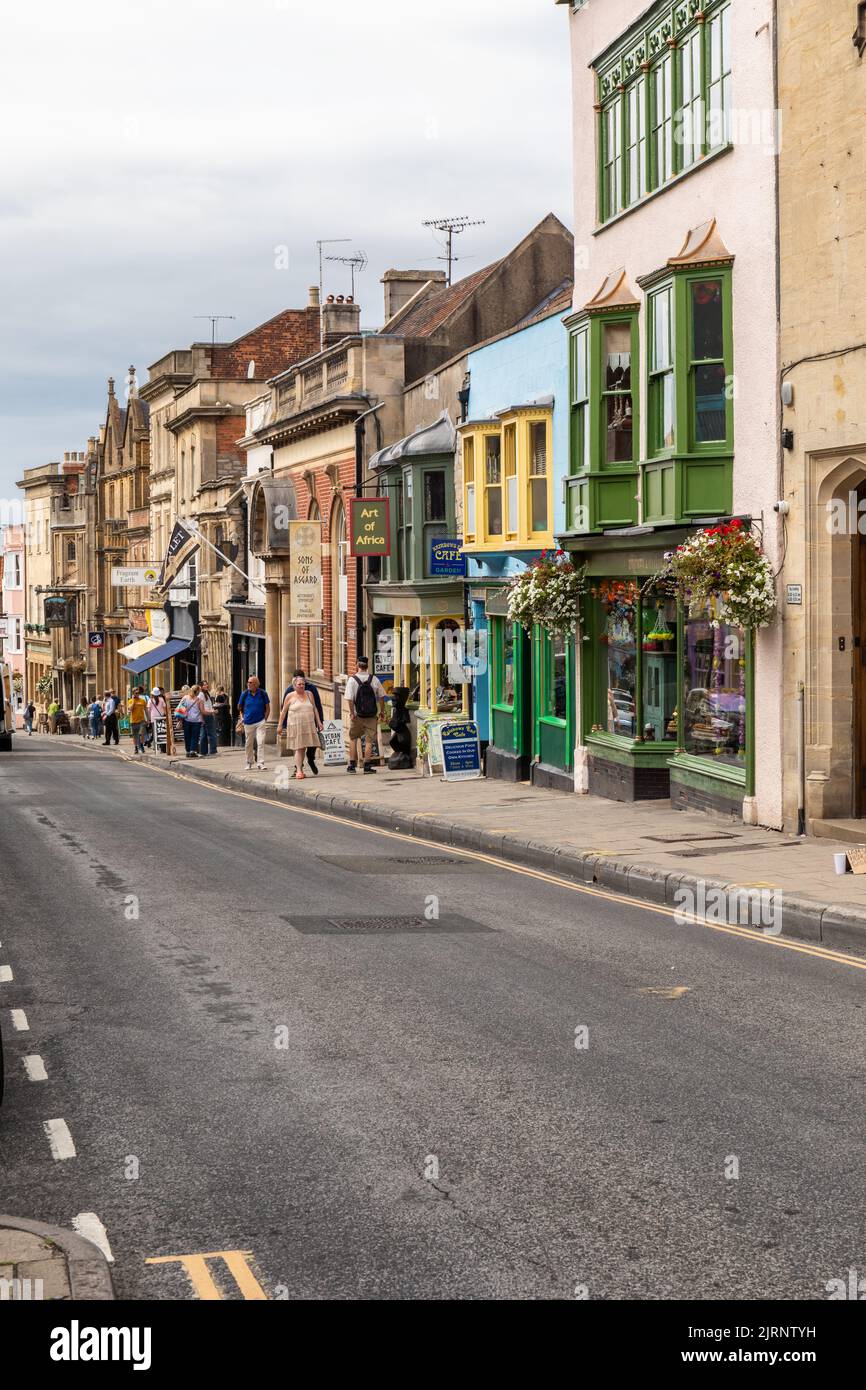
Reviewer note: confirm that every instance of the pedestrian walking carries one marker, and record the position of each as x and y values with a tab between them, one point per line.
95	717
110	708
317	701
365	696
29	716
223	712
254	706
138	719
53	711
302	722
192	713
209	724
81	716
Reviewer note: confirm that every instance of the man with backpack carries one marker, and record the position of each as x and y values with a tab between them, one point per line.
365	696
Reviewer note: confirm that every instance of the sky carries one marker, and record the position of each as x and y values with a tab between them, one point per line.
165	160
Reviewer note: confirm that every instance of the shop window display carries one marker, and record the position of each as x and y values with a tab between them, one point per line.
617	600
658	644
714	713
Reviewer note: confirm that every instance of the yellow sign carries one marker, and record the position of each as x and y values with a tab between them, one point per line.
369	526
305	572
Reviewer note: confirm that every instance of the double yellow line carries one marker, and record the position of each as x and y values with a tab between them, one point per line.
801	947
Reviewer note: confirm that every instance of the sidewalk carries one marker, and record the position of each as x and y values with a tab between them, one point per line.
641	849
39	1262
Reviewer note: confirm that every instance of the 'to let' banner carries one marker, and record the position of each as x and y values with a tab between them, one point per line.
369	526
305	572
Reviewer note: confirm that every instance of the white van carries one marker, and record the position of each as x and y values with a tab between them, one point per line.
7	708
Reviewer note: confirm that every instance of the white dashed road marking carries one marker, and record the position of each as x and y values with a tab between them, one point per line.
5	973
88	1224
35	1067
59	1138
19	1021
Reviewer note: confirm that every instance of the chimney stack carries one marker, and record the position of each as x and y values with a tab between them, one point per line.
314	297
341	318
401	285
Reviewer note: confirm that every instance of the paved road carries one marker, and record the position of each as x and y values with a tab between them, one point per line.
402	1114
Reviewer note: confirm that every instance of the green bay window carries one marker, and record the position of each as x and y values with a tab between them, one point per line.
688	468
663	101
601	489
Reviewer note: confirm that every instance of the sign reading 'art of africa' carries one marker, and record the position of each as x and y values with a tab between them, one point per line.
370	526
305	572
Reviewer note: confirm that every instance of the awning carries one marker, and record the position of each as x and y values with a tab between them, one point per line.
164	652
141	647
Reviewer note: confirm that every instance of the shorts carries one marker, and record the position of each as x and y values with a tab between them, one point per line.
364	726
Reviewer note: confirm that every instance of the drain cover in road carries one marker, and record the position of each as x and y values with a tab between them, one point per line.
397	864
367	926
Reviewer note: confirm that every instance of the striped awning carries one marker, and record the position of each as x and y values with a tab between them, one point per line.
141	648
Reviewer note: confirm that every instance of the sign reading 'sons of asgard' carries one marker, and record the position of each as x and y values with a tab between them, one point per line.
305	572
369	526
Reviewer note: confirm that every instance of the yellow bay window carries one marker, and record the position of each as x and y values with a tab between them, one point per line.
508	481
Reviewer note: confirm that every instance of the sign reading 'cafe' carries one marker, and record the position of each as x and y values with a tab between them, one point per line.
370	526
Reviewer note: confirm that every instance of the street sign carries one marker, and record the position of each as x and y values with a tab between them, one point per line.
335	749
461	751
160	740
793	593
142	576
369	526
446	556
96	639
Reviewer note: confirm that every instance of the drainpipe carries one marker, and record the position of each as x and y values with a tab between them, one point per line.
359	492
801	758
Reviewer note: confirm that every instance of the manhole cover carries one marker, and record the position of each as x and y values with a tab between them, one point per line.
372	926
396	864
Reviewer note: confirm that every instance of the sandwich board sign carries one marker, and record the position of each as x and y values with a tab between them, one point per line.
335	751
461	751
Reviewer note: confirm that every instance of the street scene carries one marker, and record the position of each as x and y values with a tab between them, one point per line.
433	699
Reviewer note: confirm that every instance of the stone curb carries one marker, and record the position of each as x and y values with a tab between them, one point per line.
89	1272
841	927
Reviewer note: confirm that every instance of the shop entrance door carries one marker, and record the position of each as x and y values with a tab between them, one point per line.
858	656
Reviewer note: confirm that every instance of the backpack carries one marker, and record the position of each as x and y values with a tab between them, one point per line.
366	703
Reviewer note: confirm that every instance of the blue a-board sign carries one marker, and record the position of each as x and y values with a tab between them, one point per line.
446	556
461	751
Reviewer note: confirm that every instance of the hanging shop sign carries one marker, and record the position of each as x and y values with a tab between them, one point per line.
461	751
58	612
305	572
369	526
96	639
143	576
446	556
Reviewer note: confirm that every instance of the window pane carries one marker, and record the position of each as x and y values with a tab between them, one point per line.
494	511
618	427
617	637
709	402
617	356
538	502
660	670
707	330
667	411
493	461
557	694
470	510
506	693
538	449
714	723
434	496
469	460
511	501
580	367
661	350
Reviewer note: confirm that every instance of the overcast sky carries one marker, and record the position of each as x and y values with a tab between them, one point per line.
156	156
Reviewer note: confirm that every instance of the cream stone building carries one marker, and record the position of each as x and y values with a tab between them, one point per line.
822	407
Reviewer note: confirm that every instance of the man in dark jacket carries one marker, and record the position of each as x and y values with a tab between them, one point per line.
317	701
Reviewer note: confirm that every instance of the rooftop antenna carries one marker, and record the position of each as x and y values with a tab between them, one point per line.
357	261
214	320
325	241
451	226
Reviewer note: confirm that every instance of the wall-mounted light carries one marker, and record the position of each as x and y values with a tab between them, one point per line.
787	439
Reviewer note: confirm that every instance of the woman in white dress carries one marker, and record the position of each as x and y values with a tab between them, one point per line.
301	720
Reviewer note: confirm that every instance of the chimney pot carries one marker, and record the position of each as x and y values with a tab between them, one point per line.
314	296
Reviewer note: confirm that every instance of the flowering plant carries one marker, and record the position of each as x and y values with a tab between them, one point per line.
724	565
547	592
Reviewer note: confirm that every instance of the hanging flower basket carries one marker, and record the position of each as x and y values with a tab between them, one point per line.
724	569
547	592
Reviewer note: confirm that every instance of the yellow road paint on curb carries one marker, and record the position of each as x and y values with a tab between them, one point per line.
728	929
196	1269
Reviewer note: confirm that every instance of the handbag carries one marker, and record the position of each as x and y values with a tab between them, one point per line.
321	740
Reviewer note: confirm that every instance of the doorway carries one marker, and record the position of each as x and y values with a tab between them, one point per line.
858	654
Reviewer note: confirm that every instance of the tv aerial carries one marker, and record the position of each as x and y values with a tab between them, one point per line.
452	226
356	262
